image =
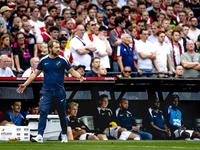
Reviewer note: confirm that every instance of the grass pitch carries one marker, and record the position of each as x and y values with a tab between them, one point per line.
102	145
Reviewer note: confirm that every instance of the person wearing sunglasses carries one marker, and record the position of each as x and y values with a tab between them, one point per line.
126	73
108	10
190	61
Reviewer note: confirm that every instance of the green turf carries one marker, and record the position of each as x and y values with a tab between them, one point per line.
102	145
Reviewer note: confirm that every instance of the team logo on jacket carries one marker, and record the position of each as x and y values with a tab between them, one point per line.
58	63
176	114
78	120
41	98
109	114
127	115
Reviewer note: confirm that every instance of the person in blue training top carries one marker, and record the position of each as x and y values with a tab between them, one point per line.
53	67
125	120
156	121
125	55
174	122
14	116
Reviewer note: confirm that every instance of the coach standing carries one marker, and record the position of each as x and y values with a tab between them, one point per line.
53	67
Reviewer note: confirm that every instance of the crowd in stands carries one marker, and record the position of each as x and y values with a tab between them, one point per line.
148	36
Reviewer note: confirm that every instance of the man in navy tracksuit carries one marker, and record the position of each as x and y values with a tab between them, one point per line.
53	67
125	120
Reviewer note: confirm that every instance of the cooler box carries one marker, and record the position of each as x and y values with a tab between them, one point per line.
52	130
21	132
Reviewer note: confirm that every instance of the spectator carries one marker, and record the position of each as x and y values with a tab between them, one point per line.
190	61
160	16
63	51
72	5
125	120
5	71
125	14
195	7
52	11
17	22
6	49
145	56
176	10
64	5
178	71
181	40
103	47
79	9
3	26
117	11
30	39
53	34
130	4
165	24
139	27
133	14
42	11
99	17
80	49
146	18
58	10
164	4
44	50
91	15
175	122
34	63
44	35
69	26
14	116
163	59
21	9
115	39
185	31
125	55
140	8
193	31
21	53
182	17
155	28
33	21
95	65
13	32
58	21
105	121
89	36
169	14
64	33
108	10
81	70
111	24
79	129
101	72
175	49
156	121
168	35
197	44
126	73
33	109
100	6
6	14
156	6
28	12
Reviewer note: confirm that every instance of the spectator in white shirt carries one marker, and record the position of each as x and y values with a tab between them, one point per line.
162	55
103	47
193	31
34	63
145	53
5	71
155	28
81	51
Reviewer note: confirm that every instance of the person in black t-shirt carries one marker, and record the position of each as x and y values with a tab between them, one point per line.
30	39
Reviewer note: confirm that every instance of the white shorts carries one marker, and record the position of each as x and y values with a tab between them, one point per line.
178	133
112	132
84	136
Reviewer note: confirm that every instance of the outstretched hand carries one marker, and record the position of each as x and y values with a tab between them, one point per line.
21	88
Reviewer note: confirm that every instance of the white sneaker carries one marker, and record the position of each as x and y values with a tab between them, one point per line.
64	138
38	138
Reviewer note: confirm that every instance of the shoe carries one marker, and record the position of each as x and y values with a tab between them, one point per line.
38	138
64	138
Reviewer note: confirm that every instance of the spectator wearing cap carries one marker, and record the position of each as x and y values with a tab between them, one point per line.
53	34
34	21
63	51
13	11
104	49
52	11
81	70
58	20
13	32
43	12
6	14
95	65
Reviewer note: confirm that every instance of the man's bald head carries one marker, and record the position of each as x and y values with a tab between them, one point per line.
125	38
190	45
